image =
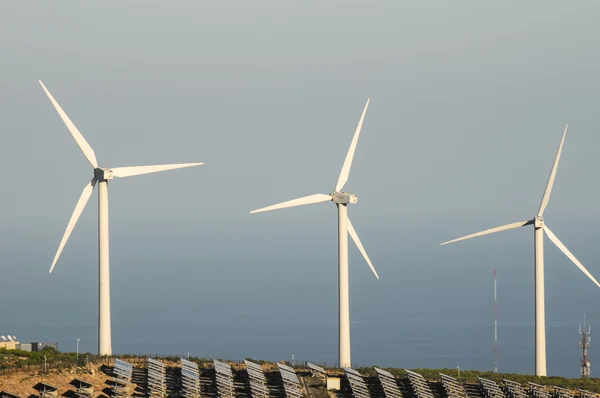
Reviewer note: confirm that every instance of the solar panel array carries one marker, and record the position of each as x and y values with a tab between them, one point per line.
388	381
258	381
317	371
157	379
514	389
562	392
291	384
453	388
539	391
490	388
190	379
224	377
419	385
122	380
357	384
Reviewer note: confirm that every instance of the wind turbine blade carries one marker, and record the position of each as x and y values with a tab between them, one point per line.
567	253
348	162
550	183
356	240
306	200
491	231
83	199
138	170
87	150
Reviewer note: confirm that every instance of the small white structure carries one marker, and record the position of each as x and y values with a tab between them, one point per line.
333	383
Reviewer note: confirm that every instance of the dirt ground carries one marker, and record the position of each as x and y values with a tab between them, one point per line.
22	384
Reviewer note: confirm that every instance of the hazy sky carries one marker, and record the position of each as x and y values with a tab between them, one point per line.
468	103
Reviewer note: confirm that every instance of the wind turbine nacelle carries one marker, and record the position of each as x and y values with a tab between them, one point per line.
344	198
103	174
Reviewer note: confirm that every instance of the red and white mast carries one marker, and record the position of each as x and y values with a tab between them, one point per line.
584	344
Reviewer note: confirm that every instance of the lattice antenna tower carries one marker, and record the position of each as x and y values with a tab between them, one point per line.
495	326
584	344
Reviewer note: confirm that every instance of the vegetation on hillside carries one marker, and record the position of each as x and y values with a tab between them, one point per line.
15	359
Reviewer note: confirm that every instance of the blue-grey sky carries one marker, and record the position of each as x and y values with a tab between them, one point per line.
468	102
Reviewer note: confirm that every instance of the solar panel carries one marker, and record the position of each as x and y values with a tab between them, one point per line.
157	379
258	381
490	388
587	394
190	379
539	391
6	394
317	371
47	390
514	389
291	384
85	389
560	392
123	372
453	388
357	383
388	382
224	377
419	385
123	369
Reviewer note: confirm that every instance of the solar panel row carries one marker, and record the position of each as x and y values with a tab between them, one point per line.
123	372
317	371
562	392
84	389
47	390
224	377
587	394
357	384
190	379
490	388
419	385
452	387
291	384
514	389
258	381
539	391
6	394
157	379
388	382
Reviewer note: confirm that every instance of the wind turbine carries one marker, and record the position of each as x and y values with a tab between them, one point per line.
341	199
538	249
101	177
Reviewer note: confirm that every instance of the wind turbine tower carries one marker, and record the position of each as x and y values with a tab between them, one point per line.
341	199
495	327
584	344
540	229
102	175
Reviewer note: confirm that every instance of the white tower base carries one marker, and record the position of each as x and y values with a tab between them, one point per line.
540	307
104	330
344	287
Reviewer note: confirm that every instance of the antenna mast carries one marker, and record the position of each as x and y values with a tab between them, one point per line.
495	327
584	344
